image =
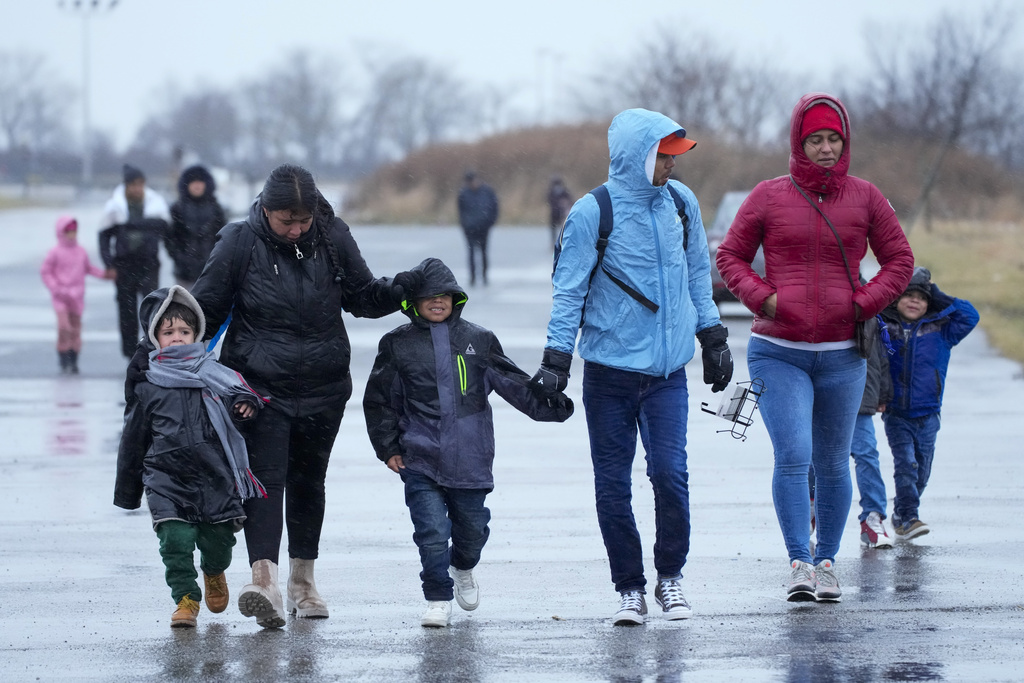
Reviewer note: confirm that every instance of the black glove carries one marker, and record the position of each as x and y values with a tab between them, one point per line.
406	284
553	375
562	404
939	299
716	356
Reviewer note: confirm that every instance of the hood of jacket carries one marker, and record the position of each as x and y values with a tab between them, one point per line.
192	173
64	224
157	301
437	279
631	137
809	175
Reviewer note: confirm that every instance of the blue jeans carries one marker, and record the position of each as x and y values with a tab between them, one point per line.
912	441
809	407
619	404
869	474
438	514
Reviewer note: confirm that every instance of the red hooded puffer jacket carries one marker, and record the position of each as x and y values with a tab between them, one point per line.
803	264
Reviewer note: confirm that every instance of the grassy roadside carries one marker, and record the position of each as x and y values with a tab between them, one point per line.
982	262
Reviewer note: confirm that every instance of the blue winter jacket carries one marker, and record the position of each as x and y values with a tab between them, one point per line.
921	352
645	250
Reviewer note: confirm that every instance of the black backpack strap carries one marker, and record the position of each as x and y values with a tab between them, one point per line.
681	210
604	229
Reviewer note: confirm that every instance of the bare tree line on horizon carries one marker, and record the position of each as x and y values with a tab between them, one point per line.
955	83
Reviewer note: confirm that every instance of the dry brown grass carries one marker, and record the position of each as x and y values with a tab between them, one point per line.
983	262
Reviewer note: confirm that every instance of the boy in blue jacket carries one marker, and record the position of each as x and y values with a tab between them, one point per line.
923	325
429	420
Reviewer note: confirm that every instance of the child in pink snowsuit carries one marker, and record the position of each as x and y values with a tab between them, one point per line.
63	272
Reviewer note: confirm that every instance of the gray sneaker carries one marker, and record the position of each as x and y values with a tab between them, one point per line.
801	582
827	584
632	609
467	592
669	595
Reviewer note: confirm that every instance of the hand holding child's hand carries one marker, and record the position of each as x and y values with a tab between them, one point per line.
395	463
245	410
110	274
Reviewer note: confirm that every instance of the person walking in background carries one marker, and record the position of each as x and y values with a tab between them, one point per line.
181	447
428	418
195	219
923	326
644	303
285	274
815	226
134	222
559	203
864	447
478	211
63	272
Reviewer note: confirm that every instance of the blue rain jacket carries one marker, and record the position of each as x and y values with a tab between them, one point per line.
645	250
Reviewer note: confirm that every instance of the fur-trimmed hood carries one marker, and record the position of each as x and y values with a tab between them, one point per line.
157	301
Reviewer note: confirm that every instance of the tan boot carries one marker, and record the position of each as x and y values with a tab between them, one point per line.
216	592
185	615
262	597
303	598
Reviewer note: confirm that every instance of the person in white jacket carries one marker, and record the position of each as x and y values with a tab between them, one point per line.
134	221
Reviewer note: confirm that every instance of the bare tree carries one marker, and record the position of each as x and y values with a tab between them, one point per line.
955	86
205	122
33	105
699	84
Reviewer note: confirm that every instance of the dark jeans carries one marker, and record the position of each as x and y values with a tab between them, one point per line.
178	542
912	442
289	456
618	403
476	241
133	283
438	514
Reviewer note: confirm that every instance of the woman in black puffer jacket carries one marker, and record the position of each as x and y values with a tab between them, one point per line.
195	219
284	275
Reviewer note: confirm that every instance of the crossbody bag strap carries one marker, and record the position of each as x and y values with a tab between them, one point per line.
842	251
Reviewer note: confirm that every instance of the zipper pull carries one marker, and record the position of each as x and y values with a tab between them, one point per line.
820	199
275	270
298	252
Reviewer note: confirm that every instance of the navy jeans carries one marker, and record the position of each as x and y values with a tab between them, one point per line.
809	407
618	404
438	514
912	441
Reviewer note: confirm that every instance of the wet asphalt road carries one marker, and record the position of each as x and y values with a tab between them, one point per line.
84	597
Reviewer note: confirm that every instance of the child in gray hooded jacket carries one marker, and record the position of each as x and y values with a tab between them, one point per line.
429	420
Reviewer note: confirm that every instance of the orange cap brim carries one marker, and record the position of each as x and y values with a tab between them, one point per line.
674	145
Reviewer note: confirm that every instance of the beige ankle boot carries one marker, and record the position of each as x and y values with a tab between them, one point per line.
303	599
262	597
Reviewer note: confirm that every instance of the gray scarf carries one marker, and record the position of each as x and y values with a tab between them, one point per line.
190	366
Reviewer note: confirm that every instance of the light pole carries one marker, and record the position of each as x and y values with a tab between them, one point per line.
86	9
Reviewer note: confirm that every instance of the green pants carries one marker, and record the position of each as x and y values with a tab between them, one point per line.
178	542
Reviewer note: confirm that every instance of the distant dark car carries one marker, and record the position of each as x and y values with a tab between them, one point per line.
724	216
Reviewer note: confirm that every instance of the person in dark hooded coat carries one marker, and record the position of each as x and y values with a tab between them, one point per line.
195	219
180	446
429	420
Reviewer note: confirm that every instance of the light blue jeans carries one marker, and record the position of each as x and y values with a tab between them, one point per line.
869	474
809	407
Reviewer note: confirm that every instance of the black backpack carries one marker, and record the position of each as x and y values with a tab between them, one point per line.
604	229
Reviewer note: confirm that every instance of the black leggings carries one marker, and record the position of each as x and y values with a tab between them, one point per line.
289	455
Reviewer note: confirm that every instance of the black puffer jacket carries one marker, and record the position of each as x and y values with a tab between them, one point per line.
426	398
287	336
194	225
170	450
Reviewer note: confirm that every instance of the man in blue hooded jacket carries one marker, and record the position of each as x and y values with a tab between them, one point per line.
636	345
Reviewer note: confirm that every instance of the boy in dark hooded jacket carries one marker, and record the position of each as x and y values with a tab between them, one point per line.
180	446
429	420
923	326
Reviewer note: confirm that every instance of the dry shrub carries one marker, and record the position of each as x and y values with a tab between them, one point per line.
519	165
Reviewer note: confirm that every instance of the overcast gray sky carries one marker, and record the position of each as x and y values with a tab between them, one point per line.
521	45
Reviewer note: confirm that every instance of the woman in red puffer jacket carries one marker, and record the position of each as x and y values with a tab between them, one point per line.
805	312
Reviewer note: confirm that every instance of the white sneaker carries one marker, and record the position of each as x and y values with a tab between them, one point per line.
467	592
632	609
438	614
872	532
